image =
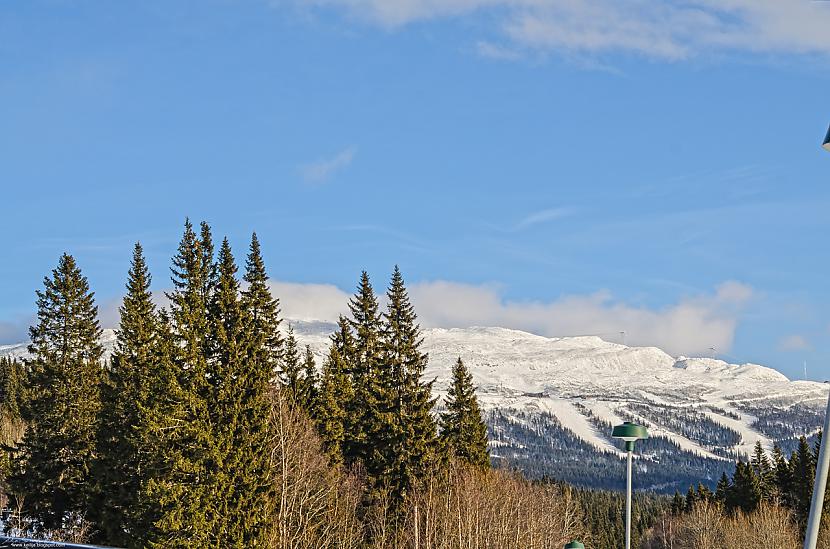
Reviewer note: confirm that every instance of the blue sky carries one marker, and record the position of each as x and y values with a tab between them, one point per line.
566	168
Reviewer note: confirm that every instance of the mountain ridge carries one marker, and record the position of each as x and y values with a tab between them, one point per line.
537	392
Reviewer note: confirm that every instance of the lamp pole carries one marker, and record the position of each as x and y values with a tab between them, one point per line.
813	523
629	432
817	502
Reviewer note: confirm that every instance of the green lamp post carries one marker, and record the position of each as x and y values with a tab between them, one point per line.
629	432
574	545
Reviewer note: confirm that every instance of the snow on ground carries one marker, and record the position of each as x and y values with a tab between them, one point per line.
573	420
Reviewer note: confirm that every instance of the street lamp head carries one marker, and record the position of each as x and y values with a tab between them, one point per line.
630	432
826	143
574	545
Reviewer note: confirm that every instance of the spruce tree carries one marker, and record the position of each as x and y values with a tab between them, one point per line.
462	428
691	499
406	429
308	386
703	493
266	344
678	504
163	436
336	392
124	393
783	476
52	467
291	370
802	470
179	496
763	470
239	416
365	413
722	489
745	493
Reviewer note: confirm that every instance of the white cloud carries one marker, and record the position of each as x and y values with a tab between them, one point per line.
794	343
665	29
310	301
324	168
689	327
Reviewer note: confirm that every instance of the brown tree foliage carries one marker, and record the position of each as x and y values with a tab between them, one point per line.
315	505
468	508
707	526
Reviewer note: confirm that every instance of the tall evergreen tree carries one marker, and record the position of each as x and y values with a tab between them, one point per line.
336	392
783	476
745	493
266	343
404	398
241	481
179	496
802	471
123	394
763	470
364	411
52	468
462	427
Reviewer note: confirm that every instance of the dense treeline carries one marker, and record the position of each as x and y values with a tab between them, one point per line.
209	427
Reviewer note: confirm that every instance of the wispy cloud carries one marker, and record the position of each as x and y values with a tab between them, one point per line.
665	29
794	343
323	169
542	216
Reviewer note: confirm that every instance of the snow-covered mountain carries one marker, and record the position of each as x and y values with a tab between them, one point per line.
550	402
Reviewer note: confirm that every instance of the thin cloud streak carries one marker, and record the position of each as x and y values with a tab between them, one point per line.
542	216
323	169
